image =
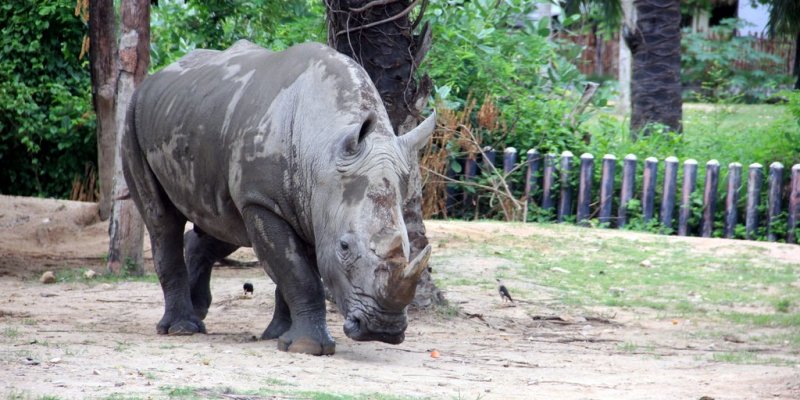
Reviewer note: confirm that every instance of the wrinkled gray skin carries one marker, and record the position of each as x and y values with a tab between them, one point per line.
291	153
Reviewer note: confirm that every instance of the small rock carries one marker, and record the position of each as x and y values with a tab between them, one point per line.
90	274
118	384
732	338
30	361
95	372
48	277
646	264
55	360
561	270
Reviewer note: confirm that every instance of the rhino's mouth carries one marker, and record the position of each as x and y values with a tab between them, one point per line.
394	331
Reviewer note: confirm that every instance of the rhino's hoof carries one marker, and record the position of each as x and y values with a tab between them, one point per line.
306	345
183	327
276	328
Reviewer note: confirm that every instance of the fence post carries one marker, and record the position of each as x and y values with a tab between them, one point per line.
626	192
670	187
755	177
734	181
607	188
794	205
565	202
774	207
509	162
710	197
649	187
470	170
547	181
489	158
534	161
585	188
689	185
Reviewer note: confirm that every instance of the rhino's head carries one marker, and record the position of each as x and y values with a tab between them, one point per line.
362	243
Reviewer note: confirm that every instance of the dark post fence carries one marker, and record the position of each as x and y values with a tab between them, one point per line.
689	185
540	178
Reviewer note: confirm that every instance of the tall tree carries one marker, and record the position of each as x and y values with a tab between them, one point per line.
126	229
784	20
655	43
379	35
103	61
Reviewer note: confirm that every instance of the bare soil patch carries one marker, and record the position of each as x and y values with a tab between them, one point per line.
95	340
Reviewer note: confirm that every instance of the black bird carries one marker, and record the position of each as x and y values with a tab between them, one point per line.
504	291
248	288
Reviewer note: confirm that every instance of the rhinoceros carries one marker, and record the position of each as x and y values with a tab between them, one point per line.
291	153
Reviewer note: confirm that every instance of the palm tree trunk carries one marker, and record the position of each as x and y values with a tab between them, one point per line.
379	35
655	44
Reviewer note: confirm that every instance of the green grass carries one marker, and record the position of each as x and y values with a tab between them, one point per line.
584	268
741	133
185	392
77	275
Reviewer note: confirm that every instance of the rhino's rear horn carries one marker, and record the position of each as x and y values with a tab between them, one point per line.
418	137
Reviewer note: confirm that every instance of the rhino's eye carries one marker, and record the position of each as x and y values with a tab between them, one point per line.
343	245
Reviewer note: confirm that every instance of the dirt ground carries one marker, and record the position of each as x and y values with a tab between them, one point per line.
95	340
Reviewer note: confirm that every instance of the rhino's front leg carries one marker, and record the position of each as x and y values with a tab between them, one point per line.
281	318
292	264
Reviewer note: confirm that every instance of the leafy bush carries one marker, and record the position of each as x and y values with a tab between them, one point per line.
494	52
47	131
709	66
178	27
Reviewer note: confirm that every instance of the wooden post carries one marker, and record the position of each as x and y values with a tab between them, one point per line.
710	198
607	188
489	158
626	192
547	181
470	170
689	185
734	182
755	178
585	188
774	206
649	187
794	205
534	161
509	162
565	202
670	187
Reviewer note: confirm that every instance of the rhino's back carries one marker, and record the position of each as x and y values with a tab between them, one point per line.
190	115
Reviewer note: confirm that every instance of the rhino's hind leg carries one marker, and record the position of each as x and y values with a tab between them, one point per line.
281	319
165	224
201	252
292	263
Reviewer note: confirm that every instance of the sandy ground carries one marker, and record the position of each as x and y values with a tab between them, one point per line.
95	340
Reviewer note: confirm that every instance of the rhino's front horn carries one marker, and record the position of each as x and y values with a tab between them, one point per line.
403	282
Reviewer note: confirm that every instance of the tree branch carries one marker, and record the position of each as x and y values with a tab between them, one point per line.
381	22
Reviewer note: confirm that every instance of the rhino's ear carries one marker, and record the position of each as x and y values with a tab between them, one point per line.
355	135
418	137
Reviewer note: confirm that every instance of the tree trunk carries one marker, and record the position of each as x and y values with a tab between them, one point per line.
379	36
126	229
655	43
624	68
102	57
797	61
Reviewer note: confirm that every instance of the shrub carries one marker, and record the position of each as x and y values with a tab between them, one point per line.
47	131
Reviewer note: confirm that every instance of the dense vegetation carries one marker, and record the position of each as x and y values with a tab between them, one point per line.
46	119
504	79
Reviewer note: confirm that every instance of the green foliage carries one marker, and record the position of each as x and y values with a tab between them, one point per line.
492	52
178	27
46	119
709	66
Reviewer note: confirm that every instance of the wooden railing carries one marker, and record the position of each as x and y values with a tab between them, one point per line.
549	185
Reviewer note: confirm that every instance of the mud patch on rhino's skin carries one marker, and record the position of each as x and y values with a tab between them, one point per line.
355	189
